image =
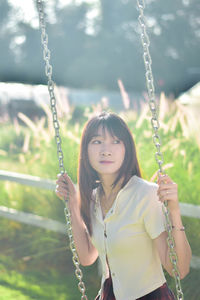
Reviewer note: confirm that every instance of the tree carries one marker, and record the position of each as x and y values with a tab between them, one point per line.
113	51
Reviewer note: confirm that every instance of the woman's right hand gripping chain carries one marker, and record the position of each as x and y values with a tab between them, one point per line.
66	190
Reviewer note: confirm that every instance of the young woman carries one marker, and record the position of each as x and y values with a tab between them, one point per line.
117	216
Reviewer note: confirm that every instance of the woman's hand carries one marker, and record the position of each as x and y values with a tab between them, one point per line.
168	191
66	190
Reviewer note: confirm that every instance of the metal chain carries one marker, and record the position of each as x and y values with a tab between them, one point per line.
157	140
48	72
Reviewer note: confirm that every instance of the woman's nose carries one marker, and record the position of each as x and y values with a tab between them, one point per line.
105	151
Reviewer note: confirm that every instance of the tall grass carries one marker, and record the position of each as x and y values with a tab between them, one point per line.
29	147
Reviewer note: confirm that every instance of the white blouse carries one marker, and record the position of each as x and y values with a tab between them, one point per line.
125	236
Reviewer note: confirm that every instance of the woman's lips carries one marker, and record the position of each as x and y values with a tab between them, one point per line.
106	162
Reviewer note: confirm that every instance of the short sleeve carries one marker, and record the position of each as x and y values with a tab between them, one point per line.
154	219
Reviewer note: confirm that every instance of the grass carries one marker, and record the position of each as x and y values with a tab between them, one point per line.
25	285
35	263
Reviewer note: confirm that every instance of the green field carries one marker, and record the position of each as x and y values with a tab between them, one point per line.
36	263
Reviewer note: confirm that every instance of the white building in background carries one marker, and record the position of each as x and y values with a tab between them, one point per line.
25	98
191	101
191	97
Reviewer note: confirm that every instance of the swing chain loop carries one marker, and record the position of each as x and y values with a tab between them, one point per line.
48	72
75	258
157	140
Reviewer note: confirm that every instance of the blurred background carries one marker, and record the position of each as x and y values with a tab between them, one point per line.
96	54
94	42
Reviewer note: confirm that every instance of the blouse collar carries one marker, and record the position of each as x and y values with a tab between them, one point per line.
97	206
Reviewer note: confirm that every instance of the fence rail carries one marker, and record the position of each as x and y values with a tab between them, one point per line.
29	180
32	219
188	210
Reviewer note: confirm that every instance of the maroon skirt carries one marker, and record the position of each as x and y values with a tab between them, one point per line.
162	293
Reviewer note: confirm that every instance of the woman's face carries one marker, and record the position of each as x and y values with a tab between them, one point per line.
106	153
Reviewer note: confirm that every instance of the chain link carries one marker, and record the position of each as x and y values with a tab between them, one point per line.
157	140
48	72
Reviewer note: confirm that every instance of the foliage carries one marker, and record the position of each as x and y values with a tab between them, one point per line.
36	264
94	44
25	285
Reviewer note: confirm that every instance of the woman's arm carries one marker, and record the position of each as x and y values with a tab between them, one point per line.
87	253
182	247
168	192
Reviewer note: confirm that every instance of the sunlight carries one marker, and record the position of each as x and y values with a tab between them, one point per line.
25	11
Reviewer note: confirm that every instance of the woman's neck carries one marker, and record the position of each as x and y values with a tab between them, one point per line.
107	185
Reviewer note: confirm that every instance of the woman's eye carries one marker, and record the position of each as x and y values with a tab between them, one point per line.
116	141
96	142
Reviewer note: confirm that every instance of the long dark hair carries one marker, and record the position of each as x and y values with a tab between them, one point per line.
87	176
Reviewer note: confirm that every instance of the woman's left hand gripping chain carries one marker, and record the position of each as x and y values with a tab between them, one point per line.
168	191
